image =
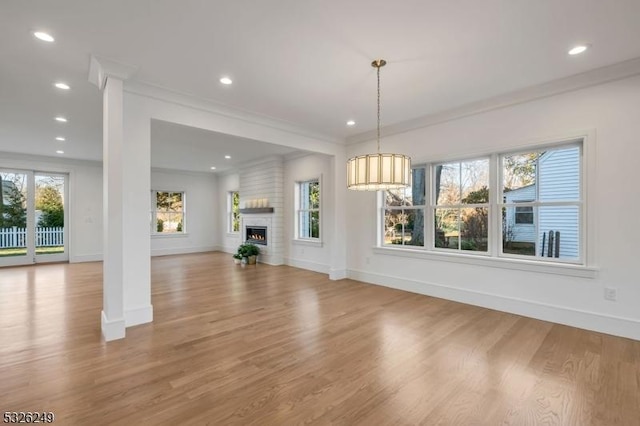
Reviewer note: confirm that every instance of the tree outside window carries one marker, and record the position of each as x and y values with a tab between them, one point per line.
233	210
461	211
168	212
308	212
404	212
13	208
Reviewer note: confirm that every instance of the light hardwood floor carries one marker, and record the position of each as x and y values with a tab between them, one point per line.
278	345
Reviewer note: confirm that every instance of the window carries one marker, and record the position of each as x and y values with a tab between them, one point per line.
461	205
542	203
404	213
525	204
233	212
308	210
168	212
524	215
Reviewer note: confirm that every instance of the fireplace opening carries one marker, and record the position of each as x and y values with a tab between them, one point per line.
256	234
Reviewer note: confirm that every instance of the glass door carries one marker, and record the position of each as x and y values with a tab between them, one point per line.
33	223
50	218
14	233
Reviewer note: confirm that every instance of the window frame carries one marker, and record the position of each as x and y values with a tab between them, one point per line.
582	267
433	206
155	211
298	210
580	203
231	213
528	212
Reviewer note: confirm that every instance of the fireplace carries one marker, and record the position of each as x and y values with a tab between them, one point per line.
256	234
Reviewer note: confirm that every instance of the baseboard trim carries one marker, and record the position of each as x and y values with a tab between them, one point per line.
86	258
305	264
137	316
182	250
271	260
338	274
617	326
113	329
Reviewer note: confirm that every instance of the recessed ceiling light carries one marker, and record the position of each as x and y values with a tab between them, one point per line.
226	80
59	152
63	86
351	123
60	138
578	49
43	36
61	119
228	157
213	168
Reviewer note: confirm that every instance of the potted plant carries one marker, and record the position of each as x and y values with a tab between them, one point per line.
249	251
237	258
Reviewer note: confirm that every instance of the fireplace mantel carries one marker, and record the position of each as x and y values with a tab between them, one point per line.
257	210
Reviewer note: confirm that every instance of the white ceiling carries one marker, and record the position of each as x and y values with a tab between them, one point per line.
304	62
186	148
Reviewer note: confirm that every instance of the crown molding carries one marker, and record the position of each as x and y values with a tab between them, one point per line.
100	68
197	173
583	80
25	157
188	100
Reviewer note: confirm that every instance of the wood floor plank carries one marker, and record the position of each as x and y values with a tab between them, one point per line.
264	345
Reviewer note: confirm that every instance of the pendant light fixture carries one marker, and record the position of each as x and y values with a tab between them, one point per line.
373	172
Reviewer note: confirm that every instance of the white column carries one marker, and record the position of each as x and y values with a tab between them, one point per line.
126	186
136	209
113	324
338	269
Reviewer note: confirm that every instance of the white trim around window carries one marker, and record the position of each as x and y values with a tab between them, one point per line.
582	265
168	213
308	212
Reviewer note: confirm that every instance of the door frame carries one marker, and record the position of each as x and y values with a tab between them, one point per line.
31	257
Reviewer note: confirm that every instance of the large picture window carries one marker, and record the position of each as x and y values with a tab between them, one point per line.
168	212
308	210
525	204
233	212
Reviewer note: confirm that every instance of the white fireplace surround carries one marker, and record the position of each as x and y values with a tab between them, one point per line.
270	253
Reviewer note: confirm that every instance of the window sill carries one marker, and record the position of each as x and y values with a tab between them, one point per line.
493	262
175	235
308	243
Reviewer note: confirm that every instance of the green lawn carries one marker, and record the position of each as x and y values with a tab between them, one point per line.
22	251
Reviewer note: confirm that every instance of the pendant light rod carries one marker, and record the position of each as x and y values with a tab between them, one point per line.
377	64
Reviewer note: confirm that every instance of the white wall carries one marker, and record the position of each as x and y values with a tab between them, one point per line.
227	242
316	257
85	199
610	113
202	212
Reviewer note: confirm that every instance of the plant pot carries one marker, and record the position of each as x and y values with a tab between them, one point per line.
252	260
244	261
237	261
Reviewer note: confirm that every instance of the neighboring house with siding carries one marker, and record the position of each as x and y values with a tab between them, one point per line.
558	179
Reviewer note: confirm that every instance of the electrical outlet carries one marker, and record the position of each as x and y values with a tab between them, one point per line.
611	293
